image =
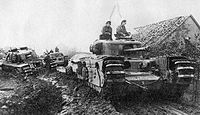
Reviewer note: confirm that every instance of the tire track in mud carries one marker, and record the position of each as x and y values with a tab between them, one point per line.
8	85
125	107
161	107
83	102
187	108
151	109
170	110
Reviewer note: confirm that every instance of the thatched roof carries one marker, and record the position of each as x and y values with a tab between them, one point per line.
156	37
156	32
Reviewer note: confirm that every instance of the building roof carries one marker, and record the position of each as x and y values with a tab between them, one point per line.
154	33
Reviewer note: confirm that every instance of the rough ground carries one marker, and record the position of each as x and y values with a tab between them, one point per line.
86	101
8	85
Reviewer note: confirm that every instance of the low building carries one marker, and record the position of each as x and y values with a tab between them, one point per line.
177	36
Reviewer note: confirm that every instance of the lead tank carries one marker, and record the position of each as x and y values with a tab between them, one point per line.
140	73
170	75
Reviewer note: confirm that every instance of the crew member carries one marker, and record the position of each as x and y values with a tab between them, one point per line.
47	61
106	32
121	30
85	72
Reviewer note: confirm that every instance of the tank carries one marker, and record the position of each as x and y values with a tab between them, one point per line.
121	67
58	58
140	73
169	75
23	61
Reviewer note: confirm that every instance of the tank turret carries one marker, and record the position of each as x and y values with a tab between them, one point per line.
127	48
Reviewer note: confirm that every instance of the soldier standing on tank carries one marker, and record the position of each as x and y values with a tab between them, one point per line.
121	30
106	32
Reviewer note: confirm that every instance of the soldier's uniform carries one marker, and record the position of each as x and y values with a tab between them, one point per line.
47	61
85	72
121	31
106	33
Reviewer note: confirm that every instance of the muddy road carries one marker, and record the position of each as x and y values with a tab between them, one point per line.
86	101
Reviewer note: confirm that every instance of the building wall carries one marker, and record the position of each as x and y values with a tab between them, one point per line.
194	31
177	43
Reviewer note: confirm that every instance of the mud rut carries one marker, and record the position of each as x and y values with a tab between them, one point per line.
157	109
87	101
153	106
131	105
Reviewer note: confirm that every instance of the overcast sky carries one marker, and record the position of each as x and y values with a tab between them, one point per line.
44	24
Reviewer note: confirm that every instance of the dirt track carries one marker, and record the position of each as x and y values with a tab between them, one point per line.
8	85
86	101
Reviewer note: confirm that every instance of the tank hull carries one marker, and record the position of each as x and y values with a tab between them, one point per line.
17	69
